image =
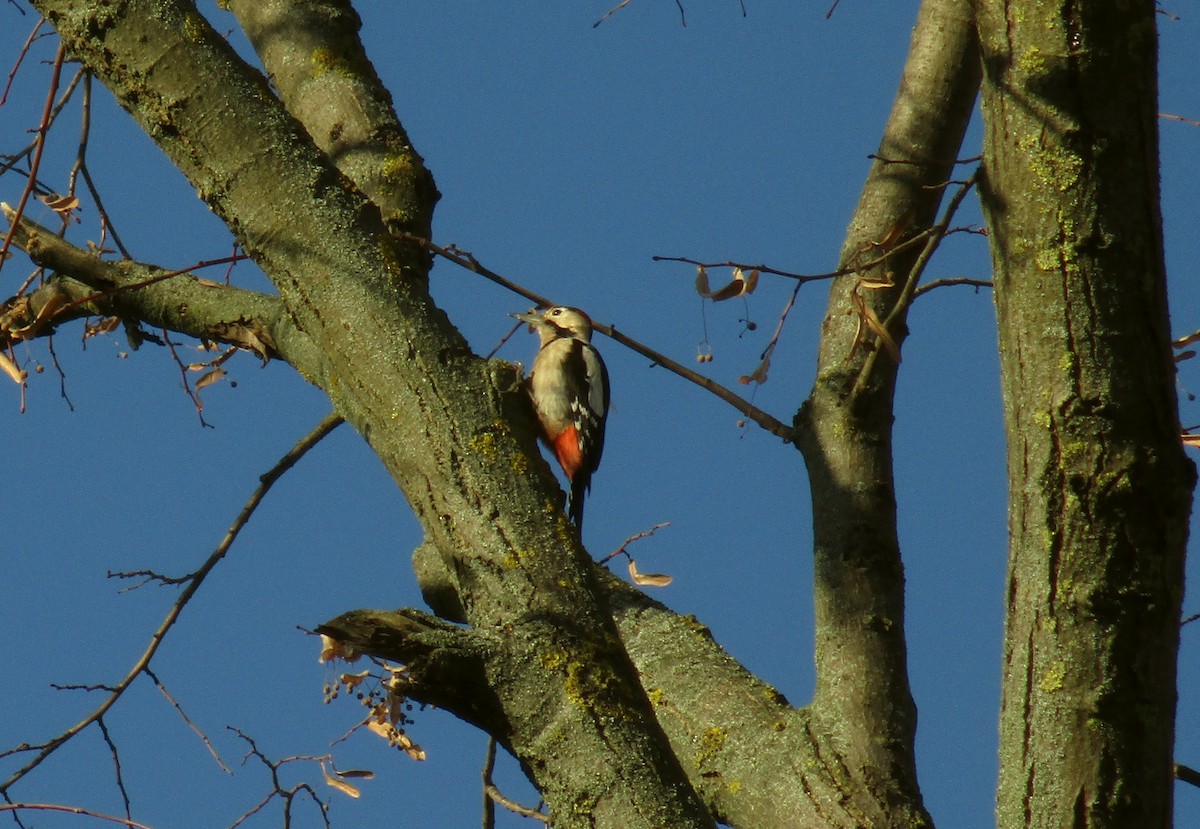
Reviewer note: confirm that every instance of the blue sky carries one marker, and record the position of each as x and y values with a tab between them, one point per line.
567	157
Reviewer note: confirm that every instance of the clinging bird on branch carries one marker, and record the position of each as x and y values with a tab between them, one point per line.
568	386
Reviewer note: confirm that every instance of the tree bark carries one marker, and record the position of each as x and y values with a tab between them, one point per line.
542	667
444	422
863	709
1099	487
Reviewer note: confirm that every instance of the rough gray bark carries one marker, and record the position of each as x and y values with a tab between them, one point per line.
354	318
622	712
566	698
863	707
1099	487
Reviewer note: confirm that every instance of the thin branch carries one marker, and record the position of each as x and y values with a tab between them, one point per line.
1169	117
491	794
468	261
72	810
12	73
116	758
1187	774
195	728
956	280
85	118
277	789
857	267
623	549
266	481
39	147
934	238
489	763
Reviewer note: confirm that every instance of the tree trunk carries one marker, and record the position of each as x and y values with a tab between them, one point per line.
1099	488
560	692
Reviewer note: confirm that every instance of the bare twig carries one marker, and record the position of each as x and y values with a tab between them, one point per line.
267	480
933	238
1169	117
955	280
623	550
39	147
1187	774
72	810
107	228
195	728
766	421
288	795
492	794
116	758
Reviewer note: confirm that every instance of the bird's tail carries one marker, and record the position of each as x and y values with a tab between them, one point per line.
579	488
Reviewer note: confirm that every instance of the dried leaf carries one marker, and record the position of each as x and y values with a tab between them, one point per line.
888	280
332	649
247	335
363	774
870	320
1184	355
896	230
737	286
702	282
759	375
10	368
647	579
880	330
341	785
354	680
383	729
61	205
751	282
42	305
101	326
210	378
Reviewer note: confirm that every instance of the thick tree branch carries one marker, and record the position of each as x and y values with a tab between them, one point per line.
845	430
396	368
312	53
86	285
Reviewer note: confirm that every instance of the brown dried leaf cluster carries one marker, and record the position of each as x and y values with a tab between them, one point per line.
740	284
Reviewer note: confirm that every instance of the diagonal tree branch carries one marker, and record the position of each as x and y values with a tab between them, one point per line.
313	55
845	437
142	293
395	367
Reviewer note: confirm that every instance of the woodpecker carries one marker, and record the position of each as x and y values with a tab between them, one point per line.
568	386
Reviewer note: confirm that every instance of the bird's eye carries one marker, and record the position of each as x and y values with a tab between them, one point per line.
556	312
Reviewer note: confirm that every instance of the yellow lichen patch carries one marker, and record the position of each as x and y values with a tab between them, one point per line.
513	558
518	462
656	696
398	168
554	660
1056	166
195	26
1052	678
734	786
772	695
711	742
325	61
1032	61
484	446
